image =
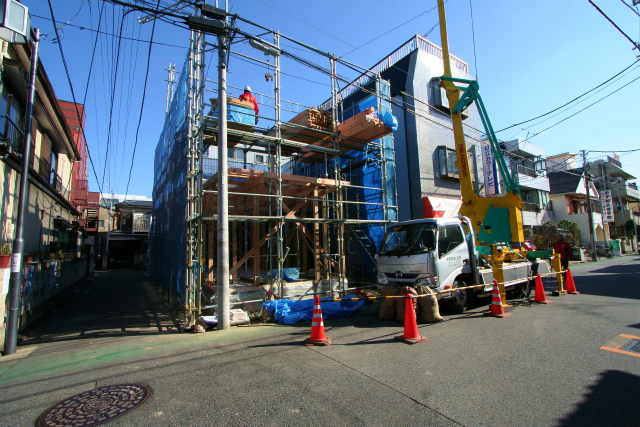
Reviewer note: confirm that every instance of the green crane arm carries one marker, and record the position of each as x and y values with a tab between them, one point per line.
470	95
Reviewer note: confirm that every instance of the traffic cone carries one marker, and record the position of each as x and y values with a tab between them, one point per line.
496	302
571	286
411	334
317	326
541	296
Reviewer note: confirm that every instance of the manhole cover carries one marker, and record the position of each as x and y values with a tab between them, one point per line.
634	347
96	406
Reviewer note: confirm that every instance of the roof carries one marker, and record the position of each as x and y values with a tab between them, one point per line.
148	204
564	181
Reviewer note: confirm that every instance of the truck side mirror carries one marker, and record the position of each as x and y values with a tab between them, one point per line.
429	239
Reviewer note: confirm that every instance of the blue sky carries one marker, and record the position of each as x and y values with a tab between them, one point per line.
531	58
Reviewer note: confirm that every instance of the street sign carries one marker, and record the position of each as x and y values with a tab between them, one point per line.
607	206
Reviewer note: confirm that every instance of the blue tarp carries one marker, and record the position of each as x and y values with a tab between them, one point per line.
237	114
291	312
289	274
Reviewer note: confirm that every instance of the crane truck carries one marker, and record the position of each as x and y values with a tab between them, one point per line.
485	242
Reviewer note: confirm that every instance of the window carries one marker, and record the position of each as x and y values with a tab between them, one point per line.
101	223
447	162
12	107
449	238
259	158
236	154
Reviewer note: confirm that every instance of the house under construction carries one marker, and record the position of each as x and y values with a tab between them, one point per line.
302	220
310	188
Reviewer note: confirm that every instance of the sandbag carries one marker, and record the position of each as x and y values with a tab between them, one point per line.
388	306
401	302
428	307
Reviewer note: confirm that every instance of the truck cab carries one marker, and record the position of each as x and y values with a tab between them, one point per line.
440	253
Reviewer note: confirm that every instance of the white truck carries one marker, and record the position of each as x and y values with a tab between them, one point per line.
440	253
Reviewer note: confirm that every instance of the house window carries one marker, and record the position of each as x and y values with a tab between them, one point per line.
259	158
101	223
12	107
447	163
235	154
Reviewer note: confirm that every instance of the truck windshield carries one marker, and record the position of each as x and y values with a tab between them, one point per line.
407	240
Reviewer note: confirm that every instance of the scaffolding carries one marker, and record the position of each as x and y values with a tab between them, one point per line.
315	210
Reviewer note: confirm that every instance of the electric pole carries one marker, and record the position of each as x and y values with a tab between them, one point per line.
11	332
585	175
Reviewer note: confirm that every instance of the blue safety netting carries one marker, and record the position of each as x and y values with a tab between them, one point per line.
167	237
291	312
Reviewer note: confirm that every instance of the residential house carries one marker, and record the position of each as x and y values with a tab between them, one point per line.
609	175
527	163
52	234
568	197
129	235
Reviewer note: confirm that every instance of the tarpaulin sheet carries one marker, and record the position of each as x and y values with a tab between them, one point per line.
289	274
291	312
236	114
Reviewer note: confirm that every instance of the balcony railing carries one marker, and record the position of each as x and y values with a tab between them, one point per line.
414	43
522	170
13	135
141	225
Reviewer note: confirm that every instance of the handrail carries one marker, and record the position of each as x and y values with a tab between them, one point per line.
416	42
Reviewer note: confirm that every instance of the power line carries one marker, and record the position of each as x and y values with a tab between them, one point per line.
144	93
629	6
391	30
111	34
588	106
573	100
636	45
473	36
66	69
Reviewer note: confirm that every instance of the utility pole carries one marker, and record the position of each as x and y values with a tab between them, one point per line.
222	311
604	188
594	255
11	332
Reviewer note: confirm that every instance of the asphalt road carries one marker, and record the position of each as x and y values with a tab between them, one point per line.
543	366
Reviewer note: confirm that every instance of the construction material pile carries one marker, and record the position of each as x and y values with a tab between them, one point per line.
367	126
314	119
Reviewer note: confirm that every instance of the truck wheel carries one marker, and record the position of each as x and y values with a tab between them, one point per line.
460	300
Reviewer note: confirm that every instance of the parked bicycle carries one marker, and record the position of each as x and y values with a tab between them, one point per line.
604	251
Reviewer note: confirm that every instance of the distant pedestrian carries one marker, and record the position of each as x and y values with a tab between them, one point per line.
247	96
563	248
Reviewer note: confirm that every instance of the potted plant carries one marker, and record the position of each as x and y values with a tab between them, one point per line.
5	255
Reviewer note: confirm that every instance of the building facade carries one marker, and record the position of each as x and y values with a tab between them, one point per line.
55	256
527	163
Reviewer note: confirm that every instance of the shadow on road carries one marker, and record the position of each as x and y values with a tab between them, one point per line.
618	281
114	303
612	401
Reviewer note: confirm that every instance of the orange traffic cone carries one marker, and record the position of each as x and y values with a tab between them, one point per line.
317	326
571	286
411	334
496	302
541	296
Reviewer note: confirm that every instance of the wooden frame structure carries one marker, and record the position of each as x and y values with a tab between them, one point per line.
305	202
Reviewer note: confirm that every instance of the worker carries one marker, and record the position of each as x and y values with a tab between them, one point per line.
247	96
563	248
